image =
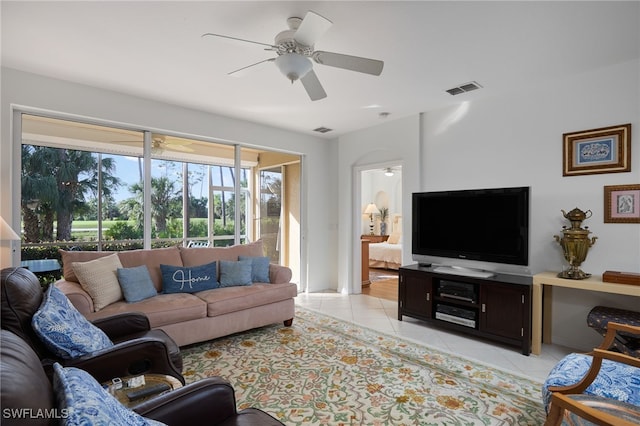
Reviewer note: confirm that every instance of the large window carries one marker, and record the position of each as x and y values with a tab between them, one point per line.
223	181
92	187
85	186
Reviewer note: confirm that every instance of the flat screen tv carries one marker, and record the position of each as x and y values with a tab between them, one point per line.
487	225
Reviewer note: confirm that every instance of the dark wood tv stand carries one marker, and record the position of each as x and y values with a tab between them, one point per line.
496	308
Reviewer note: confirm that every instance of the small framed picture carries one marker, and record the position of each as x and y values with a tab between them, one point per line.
622	204
604	150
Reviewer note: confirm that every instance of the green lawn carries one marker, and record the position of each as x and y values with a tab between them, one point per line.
93	224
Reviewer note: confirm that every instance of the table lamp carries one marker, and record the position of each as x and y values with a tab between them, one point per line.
371	210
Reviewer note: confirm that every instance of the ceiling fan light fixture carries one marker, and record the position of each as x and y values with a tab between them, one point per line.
293	65
156	147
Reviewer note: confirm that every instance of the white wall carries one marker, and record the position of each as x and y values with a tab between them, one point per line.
516	140
512	140
394	141
319	228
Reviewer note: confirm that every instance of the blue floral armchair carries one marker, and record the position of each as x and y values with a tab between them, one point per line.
602	387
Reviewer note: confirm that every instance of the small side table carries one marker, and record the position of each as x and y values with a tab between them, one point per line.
150	380
41	265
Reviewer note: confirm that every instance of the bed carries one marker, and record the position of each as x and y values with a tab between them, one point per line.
388	254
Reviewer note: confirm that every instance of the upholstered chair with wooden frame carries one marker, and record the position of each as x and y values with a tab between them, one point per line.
575	405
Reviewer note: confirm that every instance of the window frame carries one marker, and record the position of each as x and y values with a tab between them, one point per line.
147	157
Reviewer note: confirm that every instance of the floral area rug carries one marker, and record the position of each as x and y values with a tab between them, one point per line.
324	371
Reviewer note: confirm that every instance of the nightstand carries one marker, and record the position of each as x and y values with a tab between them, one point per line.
375	238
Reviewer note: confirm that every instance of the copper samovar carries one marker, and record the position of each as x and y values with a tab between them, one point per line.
575	243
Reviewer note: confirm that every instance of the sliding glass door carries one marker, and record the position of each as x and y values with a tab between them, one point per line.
271	212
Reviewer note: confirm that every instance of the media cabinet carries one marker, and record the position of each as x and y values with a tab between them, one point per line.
496	308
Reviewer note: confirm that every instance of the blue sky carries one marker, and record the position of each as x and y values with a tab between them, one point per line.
127	170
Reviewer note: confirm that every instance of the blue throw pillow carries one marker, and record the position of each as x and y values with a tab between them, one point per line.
85	402
64	330
235	273
180	279
136	283
259	268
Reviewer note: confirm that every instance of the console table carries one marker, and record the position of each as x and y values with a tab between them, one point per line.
541	307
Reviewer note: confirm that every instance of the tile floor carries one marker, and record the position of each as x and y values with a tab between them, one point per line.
382	315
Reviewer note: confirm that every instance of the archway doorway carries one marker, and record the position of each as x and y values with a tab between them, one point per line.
380	228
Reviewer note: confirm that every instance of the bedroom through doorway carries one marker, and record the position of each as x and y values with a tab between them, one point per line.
381	230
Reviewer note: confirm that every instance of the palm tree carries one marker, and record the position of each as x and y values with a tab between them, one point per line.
39	189
59	179
77	177
165	199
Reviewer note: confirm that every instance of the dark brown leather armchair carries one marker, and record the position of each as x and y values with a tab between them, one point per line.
25	392
137	349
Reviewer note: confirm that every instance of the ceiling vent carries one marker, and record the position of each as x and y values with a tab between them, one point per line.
463	88
322	129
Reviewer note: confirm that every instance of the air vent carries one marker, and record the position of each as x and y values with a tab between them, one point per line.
322	129
463	88
455	91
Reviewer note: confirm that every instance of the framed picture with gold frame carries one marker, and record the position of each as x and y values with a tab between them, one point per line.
622	204
603	150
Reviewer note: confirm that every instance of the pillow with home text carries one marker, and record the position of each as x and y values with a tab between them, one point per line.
181	279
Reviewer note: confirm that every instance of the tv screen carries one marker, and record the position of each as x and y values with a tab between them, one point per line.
490	225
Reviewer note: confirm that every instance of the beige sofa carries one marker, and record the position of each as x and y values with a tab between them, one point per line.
190	318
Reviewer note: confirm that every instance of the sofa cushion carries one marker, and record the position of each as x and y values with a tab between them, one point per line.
259	268
199	256
181	279
162	309
98	278
86	402
136	283
63	330
70	256
153	258
232	299
235	273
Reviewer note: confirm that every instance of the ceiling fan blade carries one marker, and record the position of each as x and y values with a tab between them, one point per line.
271	46
312	86
348	62
244	70
175	147
312	27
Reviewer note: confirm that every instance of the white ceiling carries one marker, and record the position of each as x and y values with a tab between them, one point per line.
155	50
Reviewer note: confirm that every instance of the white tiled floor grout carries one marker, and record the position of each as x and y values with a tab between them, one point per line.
382	315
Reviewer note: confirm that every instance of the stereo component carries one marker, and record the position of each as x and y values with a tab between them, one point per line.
456	315
457	290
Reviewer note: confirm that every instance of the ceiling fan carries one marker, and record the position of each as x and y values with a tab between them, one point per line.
160	143
295	49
